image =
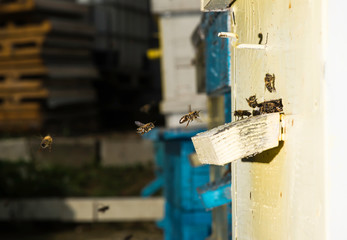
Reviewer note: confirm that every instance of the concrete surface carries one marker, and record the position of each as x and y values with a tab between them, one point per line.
14	149
112	150
75	152
83	209
125	150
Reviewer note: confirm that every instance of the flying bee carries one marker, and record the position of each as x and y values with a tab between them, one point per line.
270	82
189	117
46	142
128	237
148	107
144	128
241	113
252	101
103	209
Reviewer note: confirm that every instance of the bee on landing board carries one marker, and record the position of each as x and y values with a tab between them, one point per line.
271	106
46	142
270	82
241	113
144	128
189	117
252	101
256	112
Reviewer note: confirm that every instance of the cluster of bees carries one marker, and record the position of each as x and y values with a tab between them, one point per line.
146	127
264	107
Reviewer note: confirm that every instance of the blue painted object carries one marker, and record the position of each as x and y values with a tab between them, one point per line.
227	107
159	149
182	179
218	54
216	194
185	215
182	225
218	83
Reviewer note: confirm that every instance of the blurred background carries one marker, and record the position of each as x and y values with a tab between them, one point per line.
83	71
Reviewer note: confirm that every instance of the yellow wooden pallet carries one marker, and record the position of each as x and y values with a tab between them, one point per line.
31	45
23	73
12	29
19	117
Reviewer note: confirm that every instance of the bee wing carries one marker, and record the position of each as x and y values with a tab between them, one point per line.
139	124
189	108
199	120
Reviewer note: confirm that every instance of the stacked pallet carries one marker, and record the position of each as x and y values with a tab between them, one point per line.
45	62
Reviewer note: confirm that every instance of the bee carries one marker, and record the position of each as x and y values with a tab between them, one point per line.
255	112
148	107
271	106
252	101
46	142
128	237
270	82
144	128
241	113
190	116
103	209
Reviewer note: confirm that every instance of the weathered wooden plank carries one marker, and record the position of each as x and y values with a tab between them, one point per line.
236	140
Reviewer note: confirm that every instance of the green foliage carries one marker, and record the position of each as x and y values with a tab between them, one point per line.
22	179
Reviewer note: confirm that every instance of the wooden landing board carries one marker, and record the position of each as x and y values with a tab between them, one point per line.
239	139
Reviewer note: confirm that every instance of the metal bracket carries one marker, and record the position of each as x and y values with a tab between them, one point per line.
235	41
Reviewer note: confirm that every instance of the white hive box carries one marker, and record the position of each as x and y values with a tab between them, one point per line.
178	70
159	6
175	109
179	81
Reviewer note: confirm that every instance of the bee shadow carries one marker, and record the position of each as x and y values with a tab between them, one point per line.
266	156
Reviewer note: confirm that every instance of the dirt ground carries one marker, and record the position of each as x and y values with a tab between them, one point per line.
90	231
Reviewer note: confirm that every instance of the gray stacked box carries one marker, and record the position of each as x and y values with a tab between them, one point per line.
123	28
